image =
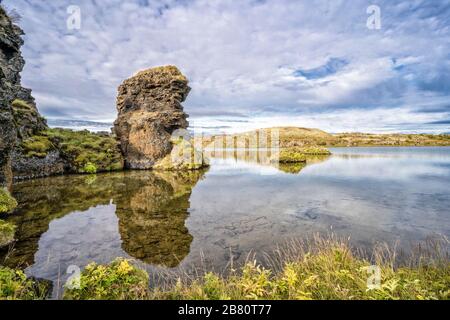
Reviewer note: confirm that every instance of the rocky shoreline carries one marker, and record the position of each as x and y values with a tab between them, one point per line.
150	117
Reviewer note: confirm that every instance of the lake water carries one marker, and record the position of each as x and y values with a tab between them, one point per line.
240	204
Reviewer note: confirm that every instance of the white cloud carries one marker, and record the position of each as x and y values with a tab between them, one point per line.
239	55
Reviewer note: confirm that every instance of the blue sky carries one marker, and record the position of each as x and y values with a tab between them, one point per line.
251	63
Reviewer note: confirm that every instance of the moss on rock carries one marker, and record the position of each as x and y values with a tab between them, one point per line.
86	150
7	202
37	146
7	231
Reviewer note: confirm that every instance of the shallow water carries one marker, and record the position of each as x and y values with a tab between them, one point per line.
242	203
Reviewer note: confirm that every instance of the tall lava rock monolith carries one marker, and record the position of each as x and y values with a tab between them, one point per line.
149	111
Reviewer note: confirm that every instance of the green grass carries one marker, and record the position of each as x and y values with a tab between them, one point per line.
7	202
14	285
290	155
7	231
314	150
328	270
37	146
86	152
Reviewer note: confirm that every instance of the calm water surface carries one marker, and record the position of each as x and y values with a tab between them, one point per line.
242	203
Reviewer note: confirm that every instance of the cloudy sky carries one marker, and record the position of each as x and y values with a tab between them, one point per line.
251	63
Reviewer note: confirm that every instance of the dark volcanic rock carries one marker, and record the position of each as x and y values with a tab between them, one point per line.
35	167
21	119
10	62
150	110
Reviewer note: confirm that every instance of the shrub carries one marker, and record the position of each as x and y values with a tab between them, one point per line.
7	202
117	281
90	168
14	285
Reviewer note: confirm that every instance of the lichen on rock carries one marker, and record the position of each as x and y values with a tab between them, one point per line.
150	110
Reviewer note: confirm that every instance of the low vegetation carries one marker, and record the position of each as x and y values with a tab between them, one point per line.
14	285
330	271
37	146
7	231
314	150
391	140
298	154
7	202
86	152
117	281
289	155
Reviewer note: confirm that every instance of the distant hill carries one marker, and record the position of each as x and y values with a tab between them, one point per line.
294	136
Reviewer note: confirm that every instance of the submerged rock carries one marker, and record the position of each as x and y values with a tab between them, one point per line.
150	110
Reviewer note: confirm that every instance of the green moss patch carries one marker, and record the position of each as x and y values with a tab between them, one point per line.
90	168
289	155
119	280
14	285
314	150
7	231
20	105
86	150
7	202
37	146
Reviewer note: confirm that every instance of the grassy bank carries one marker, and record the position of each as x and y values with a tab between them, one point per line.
327	270
84	151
